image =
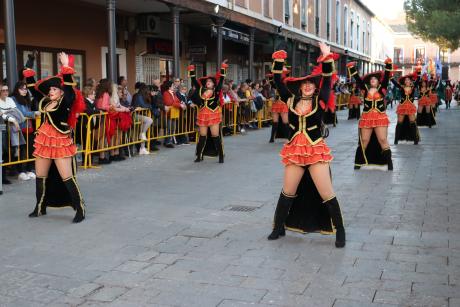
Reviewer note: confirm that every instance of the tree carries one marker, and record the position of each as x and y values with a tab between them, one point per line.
437	21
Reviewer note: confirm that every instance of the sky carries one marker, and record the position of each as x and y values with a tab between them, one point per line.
385	9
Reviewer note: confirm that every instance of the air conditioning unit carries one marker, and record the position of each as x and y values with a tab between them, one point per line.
148	23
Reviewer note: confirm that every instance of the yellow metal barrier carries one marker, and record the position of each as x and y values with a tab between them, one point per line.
90	135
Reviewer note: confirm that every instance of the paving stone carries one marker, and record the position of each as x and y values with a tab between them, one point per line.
400	299
107	294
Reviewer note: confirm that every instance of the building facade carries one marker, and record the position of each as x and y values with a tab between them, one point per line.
158	38
408	50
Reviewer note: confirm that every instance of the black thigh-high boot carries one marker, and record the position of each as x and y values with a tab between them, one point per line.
274	129
77	200
358	112
387	154
220	149
200	148
336	216
40	207
413	129
281	213
350	113
397	132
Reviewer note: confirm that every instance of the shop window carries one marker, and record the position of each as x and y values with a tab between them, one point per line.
46	62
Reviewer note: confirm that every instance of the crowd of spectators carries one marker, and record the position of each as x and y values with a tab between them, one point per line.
163	109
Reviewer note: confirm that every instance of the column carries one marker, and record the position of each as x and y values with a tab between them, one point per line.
219	24
10	43
112	48
251	53
176	37
294	58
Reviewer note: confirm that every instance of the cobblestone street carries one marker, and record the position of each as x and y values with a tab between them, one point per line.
163	231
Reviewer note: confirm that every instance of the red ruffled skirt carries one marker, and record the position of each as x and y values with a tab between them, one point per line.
373	119
299	151
406	108
52	144
207	117
434	98
279	107
424	101
354	100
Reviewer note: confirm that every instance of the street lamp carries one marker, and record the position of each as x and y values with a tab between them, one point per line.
216	9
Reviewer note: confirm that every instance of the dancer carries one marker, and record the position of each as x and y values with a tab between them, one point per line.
206	97
307	202
425	115
373	147
279	109
355	102
56	184
406	128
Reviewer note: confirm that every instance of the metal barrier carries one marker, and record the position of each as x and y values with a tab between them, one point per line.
342	100
90	134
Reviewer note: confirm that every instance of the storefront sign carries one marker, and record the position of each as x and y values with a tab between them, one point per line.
197	49
302	46
160	46
233	35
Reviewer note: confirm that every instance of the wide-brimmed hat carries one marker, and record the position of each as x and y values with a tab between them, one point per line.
44	85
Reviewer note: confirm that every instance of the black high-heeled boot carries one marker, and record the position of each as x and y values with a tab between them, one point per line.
397	133
200	148
358	112
387	154
336	216
413	129
220	149
274	129
281	213
77	200
40	188
350	113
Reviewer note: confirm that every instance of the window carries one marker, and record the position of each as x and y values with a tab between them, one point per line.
317	12
357	33
46	61
345	28
352	28
419	54
337	22
303	14
267	8
364	35
398	55
369	38
287	11
328	18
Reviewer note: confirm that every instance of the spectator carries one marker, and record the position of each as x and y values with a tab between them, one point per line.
170	99
89	96
123	82
142	100
23	102
103	93
244	95
184	117
158	108
13	117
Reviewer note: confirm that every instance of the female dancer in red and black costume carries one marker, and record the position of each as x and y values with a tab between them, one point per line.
206	97
56	184
425	114
373	147
279	110
355	102
406	128
307	202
